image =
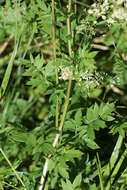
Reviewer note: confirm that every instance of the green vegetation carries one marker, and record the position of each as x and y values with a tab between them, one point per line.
63	94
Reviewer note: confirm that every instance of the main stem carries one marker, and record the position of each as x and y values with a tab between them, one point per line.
45	169
54	56
69	28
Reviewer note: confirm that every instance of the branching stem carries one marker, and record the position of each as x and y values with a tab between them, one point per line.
45	169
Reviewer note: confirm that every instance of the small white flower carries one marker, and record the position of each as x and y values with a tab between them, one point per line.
106	2
111	21
120	13
90	11
88	83
66	73
103	17
95	22
94	5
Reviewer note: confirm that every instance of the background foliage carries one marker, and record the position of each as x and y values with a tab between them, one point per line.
91	150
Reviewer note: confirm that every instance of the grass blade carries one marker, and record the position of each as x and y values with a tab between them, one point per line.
17	175
116	169
9	68
8	73
30	39
122	179
113	157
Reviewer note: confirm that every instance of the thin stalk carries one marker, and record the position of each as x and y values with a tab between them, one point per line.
30	39
70	80
99	172
57	81
44	173
7	184
1	186
64	114
54	38
53	30
122	186
57	112
75	6
16	23
45	169
57	136
69	28
54	57
9	163
115	171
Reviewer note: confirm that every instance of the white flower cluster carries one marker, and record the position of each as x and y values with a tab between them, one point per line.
120	13
86	78
66	73
120	2
101	10
115	80
89	79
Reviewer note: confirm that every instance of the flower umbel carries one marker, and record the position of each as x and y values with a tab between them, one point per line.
66	73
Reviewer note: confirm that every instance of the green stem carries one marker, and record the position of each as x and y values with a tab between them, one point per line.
65	105
45	168
1	186
69	28
54	56
57	112
75	7
57	102
63	115
100	172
